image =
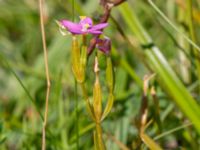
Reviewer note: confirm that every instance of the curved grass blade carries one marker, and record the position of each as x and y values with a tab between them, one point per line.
167	78
2	58
172	131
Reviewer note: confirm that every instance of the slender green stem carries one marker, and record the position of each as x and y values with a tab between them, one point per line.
86	98
84	40
48	82
84	91
157	109
77	116
2	58
100	143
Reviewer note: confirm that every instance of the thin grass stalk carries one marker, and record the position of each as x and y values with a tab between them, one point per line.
173	26
89	107
41	3
22	84
166	133
157	109
193	36
77	116
185	57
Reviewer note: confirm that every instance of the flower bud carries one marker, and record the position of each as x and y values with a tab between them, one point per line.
76	65
97	94
104	45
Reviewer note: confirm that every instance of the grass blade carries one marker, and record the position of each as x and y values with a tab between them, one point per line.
158	64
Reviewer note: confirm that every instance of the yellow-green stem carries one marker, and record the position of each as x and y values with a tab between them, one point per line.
86	98
84	40
99	136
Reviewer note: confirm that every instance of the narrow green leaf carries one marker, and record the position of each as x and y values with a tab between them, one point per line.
173	26
3	139
3	59
166	133
108	106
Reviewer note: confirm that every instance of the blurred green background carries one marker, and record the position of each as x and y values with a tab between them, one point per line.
23	81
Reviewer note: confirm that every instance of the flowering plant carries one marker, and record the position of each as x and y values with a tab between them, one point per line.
85	26
79	65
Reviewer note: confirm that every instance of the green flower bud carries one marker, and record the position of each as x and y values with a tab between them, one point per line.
75	57
79	60
97	95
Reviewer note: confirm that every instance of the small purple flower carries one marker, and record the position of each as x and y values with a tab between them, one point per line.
104	45
85	26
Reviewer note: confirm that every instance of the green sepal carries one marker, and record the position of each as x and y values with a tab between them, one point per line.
109	74
83	62
108	106
75	58
97	101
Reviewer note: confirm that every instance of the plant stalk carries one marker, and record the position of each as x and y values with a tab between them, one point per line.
41	2
99	137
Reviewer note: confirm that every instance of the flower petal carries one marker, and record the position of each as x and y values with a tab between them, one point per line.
96	32
104	45
86	20
72	27
99	26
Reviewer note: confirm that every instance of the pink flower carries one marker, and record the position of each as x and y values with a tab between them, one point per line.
85	26
104	45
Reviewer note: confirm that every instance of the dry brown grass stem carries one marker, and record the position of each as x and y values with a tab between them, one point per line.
41	2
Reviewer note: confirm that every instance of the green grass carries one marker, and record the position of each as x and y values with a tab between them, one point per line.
147	38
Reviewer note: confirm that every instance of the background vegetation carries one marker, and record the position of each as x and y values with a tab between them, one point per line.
145	41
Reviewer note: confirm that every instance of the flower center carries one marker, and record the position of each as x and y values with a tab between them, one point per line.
85	27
